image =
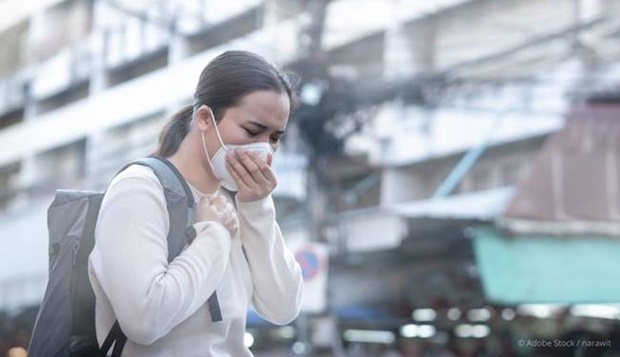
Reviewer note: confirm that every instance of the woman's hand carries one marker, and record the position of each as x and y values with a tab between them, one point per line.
218	210
253	175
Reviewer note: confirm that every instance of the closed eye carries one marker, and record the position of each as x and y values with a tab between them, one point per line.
250	132
259	128
276	138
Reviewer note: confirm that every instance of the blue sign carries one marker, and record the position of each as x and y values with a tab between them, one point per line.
310	263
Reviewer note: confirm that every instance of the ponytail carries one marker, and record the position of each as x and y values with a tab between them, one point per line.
174	132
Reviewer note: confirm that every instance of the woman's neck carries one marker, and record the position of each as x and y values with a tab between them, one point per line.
191	164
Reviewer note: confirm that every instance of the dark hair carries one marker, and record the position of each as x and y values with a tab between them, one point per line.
222	84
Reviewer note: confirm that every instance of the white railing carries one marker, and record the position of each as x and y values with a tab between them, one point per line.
12	89
132	41
69	66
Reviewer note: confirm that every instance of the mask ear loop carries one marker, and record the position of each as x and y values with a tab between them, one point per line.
217	132
204	145
202	136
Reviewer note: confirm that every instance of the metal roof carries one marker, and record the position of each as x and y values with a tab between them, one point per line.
482	205
576	176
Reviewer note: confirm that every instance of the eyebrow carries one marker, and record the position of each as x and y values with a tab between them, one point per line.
264	127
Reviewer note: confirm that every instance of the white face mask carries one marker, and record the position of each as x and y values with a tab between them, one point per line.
218	161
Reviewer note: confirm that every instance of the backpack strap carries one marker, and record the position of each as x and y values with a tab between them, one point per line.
181	220
115	335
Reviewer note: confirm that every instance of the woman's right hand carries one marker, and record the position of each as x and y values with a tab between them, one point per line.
218	210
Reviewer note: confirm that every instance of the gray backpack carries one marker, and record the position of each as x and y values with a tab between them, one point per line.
65	324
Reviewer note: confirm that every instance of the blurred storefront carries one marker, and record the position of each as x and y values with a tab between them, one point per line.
558	240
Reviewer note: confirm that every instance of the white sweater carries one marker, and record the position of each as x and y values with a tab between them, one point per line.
161	306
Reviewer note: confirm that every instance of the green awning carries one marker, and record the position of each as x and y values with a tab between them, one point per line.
547	269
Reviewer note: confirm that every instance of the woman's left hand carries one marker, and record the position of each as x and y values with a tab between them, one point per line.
253	176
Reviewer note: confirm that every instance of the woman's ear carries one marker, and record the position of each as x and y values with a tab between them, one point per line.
203	119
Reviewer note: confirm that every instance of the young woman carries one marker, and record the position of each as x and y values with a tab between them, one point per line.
225	139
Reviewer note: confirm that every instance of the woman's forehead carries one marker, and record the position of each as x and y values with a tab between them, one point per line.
270	108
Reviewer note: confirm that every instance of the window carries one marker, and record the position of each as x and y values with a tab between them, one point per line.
480	179
509	174
8	184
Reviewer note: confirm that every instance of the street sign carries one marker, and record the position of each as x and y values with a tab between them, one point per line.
313	258
310	262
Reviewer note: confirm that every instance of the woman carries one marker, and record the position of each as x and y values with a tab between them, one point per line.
226	138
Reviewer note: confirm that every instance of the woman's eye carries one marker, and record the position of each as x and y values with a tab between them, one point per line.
250	133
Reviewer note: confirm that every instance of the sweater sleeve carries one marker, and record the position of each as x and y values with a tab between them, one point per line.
276	275
150	296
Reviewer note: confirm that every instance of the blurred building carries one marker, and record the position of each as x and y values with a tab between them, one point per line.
419	120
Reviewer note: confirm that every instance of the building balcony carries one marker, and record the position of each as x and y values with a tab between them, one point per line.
12	95
63	71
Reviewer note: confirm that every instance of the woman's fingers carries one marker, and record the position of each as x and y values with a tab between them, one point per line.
239	167
250	167
217	201
264	167
252	174
245	172
220	210
242	181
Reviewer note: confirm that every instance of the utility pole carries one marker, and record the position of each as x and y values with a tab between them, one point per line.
312	70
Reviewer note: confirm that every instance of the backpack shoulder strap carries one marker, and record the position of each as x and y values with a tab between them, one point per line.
168	175
179	200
